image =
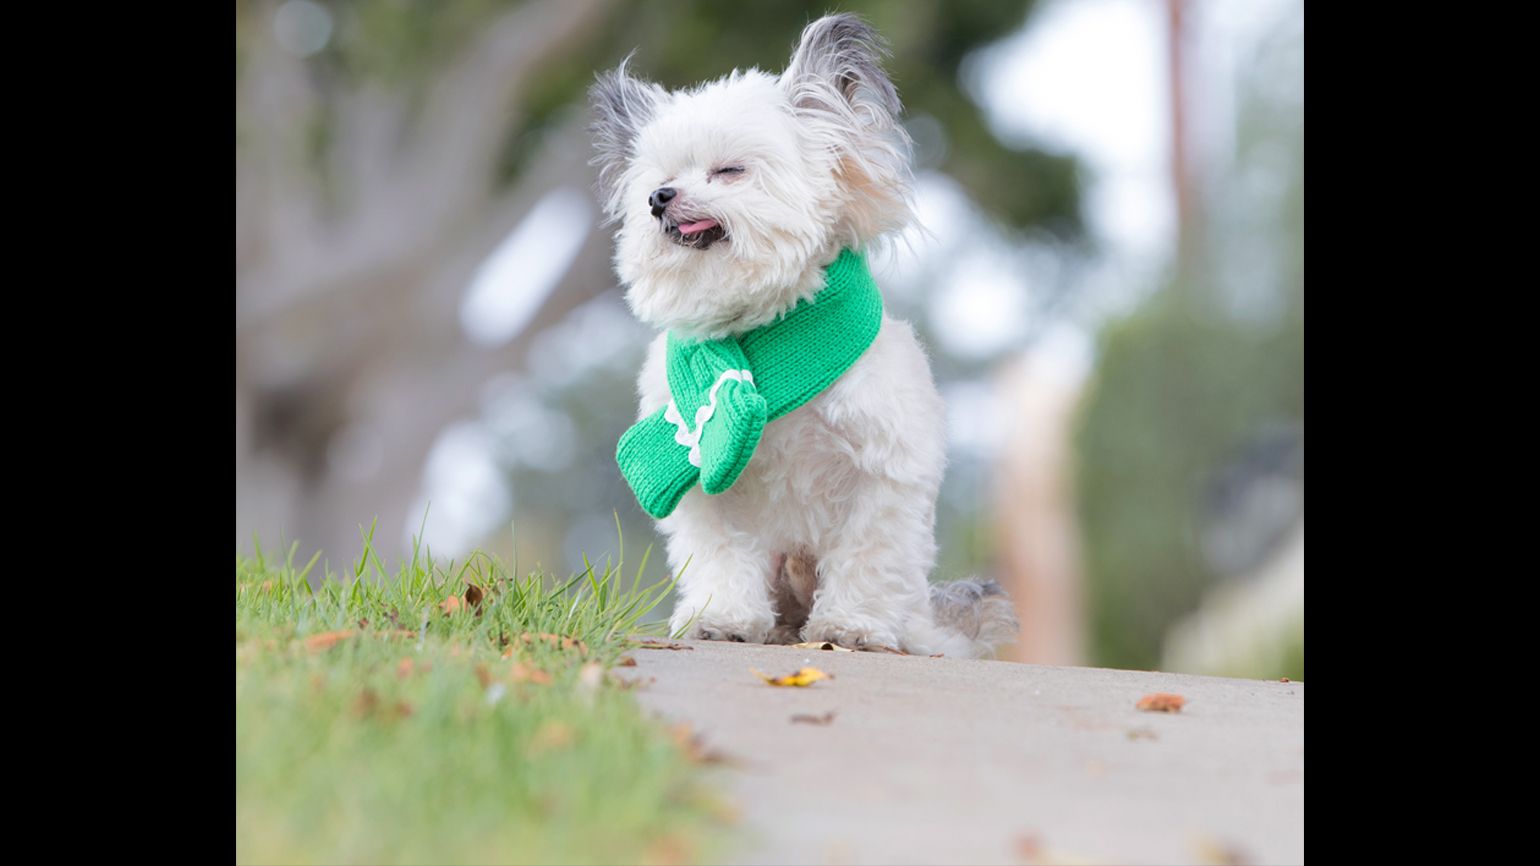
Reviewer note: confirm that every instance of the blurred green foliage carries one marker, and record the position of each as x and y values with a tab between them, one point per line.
1177	391
1214	356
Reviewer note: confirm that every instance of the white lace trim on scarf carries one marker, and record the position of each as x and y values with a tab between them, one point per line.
692	440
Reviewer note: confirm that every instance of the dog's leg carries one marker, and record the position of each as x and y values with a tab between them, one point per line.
872	580
725	589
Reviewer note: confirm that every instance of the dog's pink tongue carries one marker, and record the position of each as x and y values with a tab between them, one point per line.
696	227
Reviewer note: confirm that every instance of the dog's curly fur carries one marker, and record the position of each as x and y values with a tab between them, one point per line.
829	534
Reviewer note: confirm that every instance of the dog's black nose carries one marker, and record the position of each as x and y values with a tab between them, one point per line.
660	198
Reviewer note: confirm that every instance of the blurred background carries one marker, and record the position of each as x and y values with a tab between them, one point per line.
1111	288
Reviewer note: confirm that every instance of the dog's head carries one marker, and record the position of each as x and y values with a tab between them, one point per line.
730	195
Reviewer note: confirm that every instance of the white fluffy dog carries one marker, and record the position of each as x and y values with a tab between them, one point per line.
732	198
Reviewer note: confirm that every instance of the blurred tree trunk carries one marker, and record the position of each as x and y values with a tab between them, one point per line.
1037	530
350	357
1181	175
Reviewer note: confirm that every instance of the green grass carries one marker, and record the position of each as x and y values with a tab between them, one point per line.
413	740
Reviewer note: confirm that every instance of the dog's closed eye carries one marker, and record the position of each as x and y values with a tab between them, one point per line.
728	171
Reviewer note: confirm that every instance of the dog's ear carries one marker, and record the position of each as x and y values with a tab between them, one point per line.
838	67
846	103
622	106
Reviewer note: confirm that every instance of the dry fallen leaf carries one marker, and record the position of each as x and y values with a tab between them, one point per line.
803	677
1283	679
318	642
693	747
822	645
483	676
1030	849
560	641
623	683
451	604
1161	702
807	719
522	673
626	662
684	736
473	595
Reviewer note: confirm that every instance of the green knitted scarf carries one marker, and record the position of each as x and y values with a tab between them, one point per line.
734	386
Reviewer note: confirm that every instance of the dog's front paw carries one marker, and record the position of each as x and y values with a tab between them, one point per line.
850	636
735	632
739	617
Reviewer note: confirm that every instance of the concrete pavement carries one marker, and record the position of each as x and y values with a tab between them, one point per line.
987	762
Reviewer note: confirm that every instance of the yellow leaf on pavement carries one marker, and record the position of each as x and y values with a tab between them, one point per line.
804	677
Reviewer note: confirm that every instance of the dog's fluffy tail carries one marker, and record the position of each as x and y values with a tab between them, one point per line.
973	617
